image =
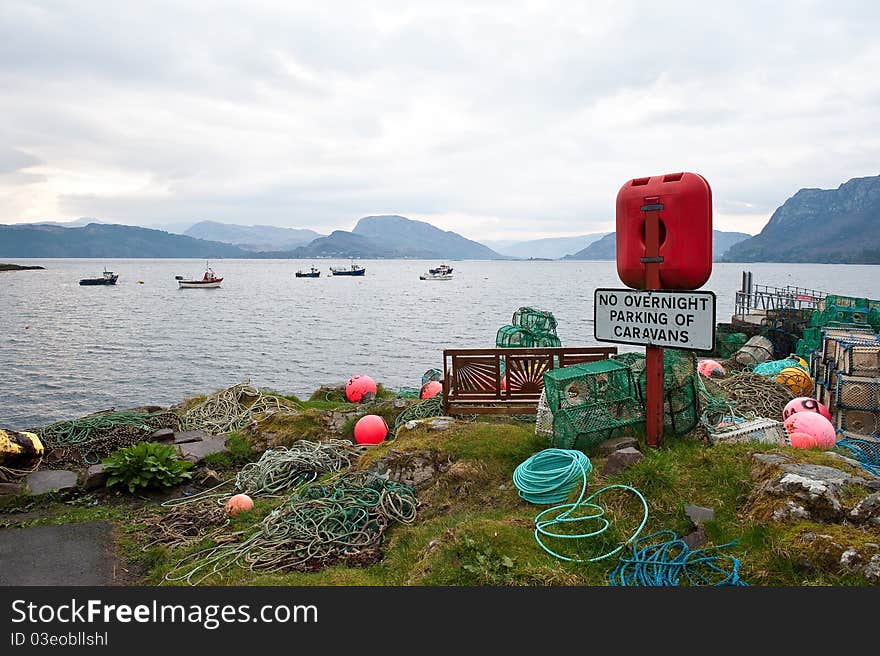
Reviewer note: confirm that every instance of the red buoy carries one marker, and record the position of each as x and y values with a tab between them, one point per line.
810	430
360	388
430	389
370	429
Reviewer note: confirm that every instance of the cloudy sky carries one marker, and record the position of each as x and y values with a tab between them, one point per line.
499	119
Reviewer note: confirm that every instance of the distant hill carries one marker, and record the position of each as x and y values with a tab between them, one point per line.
342	244
606	248
253	238
106	240
838	226
551	248
420	239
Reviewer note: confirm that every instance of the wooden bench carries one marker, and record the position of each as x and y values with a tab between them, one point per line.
473	382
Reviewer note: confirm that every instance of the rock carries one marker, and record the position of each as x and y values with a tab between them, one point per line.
10	489
790	510
162	435
855	464
872	569
415	469
197	451
620	460
828	475
608	447
771	459
867	510
40	482
398	403
698	514
411	424
186	437
439	423
95	477
850	558
818	497
695	538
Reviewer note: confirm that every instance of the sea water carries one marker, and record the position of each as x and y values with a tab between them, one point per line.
67	350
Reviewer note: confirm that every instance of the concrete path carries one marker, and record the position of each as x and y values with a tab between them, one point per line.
70	554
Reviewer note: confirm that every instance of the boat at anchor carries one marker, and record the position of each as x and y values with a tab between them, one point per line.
208	280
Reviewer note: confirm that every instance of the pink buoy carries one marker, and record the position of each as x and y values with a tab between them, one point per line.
805	404
239	503
370	429
430	389
709	368
809	430
360	388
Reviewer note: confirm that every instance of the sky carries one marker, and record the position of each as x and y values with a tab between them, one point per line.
498	120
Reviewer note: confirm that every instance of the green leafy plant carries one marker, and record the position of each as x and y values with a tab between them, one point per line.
146	465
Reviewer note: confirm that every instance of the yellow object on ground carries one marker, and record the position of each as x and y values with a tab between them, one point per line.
19	449
797	380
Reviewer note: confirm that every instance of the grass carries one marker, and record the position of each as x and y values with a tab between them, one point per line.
473	529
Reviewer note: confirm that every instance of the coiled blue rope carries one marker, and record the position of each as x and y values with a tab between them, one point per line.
670	562
548	477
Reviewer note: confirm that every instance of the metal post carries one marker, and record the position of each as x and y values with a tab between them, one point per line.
653	354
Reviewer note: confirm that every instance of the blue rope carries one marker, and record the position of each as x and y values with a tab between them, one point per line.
548	477
867	453
671	562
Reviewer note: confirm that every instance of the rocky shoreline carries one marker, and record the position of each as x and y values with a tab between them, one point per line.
19	267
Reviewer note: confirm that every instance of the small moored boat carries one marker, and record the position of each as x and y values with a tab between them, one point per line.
353	270
109	278
208	280
442	272
311	273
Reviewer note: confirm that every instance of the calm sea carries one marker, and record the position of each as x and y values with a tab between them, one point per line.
67	350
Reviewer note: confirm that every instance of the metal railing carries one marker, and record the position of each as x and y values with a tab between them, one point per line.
763	299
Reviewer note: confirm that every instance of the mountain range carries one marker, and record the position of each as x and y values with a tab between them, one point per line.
814	225
820	225
606	248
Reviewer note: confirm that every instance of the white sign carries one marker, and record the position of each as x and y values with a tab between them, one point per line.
671	319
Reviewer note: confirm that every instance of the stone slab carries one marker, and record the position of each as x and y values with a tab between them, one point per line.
68	554
197	451
162	435
608	447
41	482
620	460
699	514
185	437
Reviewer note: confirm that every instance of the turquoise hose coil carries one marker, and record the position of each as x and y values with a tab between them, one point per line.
668	561
548	477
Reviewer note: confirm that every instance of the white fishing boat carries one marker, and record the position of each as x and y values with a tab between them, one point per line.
208	280
442	272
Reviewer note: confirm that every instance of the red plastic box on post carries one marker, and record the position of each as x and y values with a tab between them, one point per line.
684	202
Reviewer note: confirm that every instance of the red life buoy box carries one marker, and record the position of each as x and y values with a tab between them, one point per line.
684	203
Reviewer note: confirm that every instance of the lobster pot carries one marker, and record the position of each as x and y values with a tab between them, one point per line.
863	422
841	345
861	392
534	320
831	337
838	301
586	425
726	344
822	394
588	383
544	418
546	340
858	359
681	408
759	430
512	336
830	375
817	367
755	351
